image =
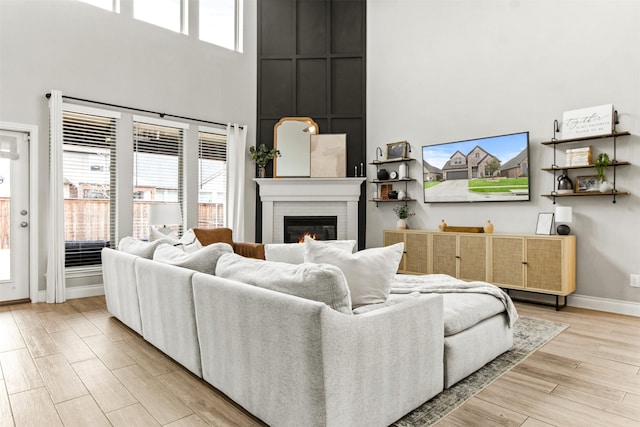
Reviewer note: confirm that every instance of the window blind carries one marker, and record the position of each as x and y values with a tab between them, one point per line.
212	179
89	158
157	172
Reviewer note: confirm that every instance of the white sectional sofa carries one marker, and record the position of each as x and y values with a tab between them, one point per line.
295	361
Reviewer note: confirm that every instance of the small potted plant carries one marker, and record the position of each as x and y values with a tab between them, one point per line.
402	212
601	164
262	155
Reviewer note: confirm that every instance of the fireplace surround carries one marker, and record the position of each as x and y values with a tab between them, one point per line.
282	197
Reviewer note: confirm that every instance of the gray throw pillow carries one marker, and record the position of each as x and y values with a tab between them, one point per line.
134	246
203	260
318	282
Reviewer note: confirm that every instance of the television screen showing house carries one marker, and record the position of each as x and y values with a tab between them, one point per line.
491	169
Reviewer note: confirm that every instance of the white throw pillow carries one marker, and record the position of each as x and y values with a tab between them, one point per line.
323	283
368	272
203	260
134	246
188	242
293	253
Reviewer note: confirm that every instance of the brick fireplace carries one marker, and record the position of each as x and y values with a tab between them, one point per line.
289	197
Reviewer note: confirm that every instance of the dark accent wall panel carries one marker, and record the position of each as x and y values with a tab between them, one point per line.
346	86
312	87
276	28
347	26
312	62
312	27
276	87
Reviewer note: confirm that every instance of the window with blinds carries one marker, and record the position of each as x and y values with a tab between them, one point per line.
157	174
212	179
89	158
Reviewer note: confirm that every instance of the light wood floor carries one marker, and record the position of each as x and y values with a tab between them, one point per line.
73	364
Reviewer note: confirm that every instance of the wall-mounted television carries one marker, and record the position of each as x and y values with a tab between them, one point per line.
489	169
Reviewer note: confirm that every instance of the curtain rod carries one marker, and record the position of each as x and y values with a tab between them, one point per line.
162	115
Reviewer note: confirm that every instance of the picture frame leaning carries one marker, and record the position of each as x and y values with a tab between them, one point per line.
545	223
397	150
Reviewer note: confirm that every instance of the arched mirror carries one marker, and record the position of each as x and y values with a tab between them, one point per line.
292	137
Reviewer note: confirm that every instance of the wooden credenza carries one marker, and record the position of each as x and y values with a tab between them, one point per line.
527	262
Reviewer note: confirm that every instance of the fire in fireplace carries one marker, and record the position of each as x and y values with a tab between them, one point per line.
323	227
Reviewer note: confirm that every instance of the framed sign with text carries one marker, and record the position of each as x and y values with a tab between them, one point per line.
589	121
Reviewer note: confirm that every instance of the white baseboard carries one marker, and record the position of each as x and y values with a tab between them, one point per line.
604	304
76	292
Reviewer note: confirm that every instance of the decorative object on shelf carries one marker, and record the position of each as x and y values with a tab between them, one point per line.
393	194
383	174
442	226
605	187
384	191
488	227
587	184
378	151
329	156
579	156
165	214
393	175
402	212
402	195
565	185
397	150
545	223
261	156
590	121
601	164
403	171
564	214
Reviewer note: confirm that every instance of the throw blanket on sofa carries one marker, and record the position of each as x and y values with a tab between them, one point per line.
443	284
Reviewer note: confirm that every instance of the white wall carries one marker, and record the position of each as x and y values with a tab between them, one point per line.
447	70
91	53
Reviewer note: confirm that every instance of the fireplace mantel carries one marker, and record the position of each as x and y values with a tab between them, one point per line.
286	192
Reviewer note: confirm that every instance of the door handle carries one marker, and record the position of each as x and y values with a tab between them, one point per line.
24	224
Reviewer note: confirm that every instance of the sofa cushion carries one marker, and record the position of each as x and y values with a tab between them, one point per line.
324	283
293	253
134	246
462	311
208	236
203	260
368	272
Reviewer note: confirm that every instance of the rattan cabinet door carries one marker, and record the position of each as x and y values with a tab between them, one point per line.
444	254
417	252
544	265
507	261
472	257
393	237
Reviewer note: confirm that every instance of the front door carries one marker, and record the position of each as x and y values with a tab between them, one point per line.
14	216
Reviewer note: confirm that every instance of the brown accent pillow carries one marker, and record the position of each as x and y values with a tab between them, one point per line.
207	236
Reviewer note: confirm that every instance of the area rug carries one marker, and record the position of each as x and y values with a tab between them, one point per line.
529	334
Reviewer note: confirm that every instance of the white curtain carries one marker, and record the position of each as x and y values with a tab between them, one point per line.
55	258
236	161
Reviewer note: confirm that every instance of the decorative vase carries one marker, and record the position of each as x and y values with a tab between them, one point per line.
401	224
606	187
402	171
488	227
261	172
401	195
383	175
442	226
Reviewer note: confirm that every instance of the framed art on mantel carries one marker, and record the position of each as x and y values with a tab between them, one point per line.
545	223
329	156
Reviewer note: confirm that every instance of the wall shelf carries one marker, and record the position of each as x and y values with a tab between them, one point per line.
613	163
378	182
